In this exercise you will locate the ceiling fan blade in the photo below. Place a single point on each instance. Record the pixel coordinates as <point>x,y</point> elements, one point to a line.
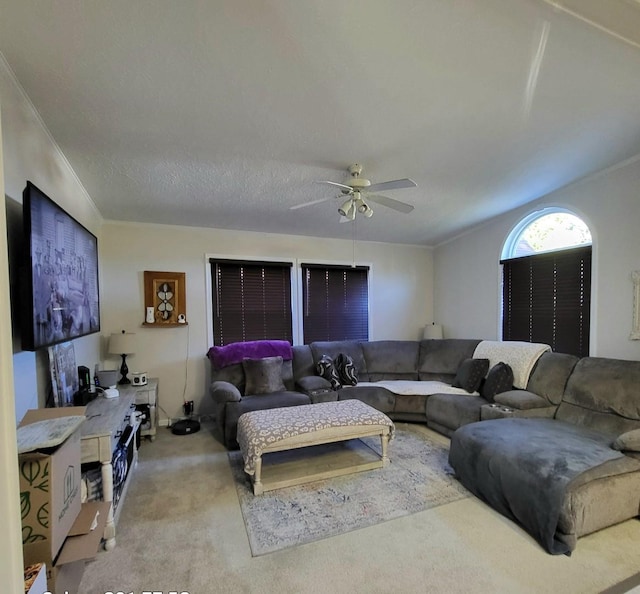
<point>390,203</point>
<point>310,203</point>
<point>396,184</point>
<point>342,186</point>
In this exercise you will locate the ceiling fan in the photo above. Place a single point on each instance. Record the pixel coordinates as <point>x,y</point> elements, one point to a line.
<point>359,191</point>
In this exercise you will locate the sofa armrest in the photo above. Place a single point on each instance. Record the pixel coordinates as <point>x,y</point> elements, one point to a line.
<point>312,385</point>
<point>222,391</point>
<point>521,400</point>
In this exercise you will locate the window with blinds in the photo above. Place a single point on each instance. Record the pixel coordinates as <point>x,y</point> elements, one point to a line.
<point>335,302</point>
<point>251,301</point>
<point>547,298</point>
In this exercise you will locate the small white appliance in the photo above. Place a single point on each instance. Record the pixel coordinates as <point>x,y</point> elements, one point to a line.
<point>139,378</point>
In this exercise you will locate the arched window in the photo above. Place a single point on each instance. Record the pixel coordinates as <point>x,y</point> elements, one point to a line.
<point>546,281</point>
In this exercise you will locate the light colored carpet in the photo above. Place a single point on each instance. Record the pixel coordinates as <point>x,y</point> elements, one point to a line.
<point>181,529</point>
<point>418,478</point>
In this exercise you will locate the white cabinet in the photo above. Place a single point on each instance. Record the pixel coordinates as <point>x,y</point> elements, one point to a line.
<point>146,399</point>
<point>108,437</point>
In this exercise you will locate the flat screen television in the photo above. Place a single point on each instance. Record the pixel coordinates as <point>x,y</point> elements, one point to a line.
<point>62,294</point>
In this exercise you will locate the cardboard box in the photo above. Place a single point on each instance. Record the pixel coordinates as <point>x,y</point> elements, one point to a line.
<point>49,489</point>
<point>80,546</point>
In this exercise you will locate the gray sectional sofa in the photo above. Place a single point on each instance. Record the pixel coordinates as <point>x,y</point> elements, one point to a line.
<point>378,365</point>
<point>559,454</point>
<point>567,476</point>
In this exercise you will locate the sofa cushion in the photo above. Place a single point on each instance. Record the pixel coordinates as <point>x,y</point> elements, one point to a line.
<point>346,369</point>
<point>313,385</point>
<point>520,400</point>
<point>303,364</point>
<point>453,410</point>
<point>391,359</point>
<point>326,368</point>
<point>550,374</point>
<point>470,374</point>
<point>499,379</point>
<point>628,441</point>
<point>263,376</point>
<point>415,404</point>
<point>378,398</point>
<point>602,394</point>
<point>440,359</point>
<point>234,374</point>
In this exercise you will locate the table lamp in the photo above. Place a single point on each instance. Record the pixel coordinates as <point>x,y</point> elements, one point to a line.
<point>122,344</point>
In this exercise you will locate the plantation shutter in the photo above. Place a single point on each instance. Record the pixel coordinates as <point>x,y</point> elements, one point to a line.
<point>251,301</point>
<point>547,298</point>
<point>335,303</point>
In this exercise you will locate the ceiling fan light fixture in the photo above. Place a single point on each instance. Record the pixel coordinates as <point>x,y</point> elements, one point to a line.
<point>351,213</point>
<point>358,186</point>
<point>346,207</point>
<point>363,207</point>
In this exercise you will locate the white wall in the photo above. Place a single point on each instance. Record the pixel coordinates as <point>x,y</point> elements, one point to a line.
<point>29,153</point>
<point>467,274</point>
<point>11,561</point>
<point>401,297</point>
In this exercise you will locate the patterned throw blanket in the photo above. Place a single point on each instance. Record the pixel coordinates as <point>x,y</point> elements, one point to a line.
<point>261,428</point>
<point>520,356</point>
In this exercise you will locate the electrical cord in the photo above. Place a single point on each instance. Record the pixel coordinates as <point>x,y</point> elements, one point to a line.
<point>165,413</point>
<point>187,405</point>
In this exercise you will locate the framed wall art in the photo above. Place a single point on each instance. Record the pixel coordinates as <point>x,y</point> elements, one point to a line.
<point>64,373</point>
<point>164,299</point>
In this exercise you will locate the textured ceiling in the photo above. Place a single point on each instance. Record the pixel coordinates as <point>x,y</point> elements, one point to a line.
<point>223,113</point>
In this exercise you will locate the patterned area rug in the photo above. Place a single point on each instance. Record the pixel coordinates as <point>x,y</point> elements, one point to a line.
<point>418,478</point>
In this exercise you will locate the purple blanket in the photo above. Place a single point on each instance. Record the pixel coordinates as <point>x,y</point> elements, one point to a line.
<point>223,356</point>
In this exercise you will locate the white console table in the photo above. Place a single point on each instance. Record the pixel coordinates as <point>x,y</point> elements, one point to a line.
<point>146,395</point>
<point>107,420</point>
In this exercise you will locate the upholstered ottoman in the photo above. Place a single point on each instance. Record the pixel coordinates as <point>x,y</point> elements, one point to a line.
<point>280,429</point>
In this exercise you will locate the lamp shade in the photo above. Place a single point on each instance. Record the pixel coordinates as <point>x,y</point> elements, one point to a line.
<point>122,344</point>
<point>432,332</point>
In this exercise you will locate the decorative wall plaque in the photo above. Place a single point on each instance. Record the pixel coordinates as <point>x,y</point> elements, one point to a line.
<point>165,293</point>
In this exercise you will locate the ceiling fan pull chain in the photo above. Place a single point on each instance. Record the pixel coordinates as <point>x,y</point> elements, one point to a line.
<point>353,248</point>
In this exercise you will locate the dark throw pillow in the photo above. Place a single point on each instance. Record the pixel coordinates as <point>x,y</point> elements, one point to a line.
<point>263,376</point>
<point>346,370</point>
<point>499,379</point>
<point>328,371</point>
<point>470,374</point>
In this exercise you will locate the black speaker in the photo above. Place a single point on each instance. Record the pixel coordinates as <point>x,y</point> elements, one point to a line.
<point>83,397</point>
<point>84,378</point>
